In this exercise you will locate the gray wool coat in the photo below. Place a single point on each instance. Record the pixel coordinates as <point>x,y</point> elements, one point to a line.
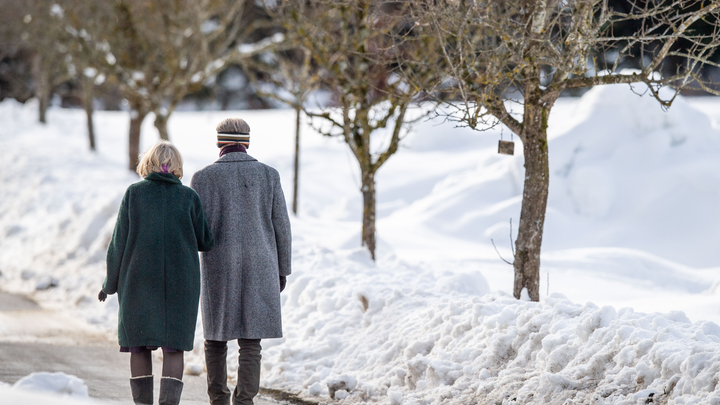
<point>245,208</point>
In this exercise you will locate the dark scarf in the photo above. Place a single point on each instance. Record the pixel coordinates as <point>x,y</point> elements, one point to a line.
<point>238,147</point>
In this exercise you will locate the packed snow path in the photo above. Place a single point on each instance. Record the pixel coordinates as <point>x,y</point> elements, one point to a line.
<point>33,339</point>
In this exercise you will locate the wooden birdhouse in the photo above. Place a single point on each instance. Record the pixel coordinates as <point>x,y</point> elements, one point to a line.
<point>506,147</point>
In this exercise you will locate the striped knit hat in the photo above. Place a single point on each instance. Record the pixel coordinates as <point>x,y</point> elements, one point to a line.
<point>232,131</point>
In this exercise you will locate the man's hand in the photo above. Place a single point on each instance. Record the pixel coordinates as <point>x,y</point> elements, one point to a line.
<point>102,296</point>
<point>283,282</point>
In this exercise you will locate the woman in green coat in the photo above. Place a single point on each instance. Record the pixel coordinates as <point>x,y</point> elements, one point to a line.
<point>153,265</point>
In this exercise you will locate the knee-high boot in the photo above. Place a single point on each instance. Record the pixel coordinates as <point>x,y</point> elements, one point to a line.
<point>248,383</point>
<point>216,364</point>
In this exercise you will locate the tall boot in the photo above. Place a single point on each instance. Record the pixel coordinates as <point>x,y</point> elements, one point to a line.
<point>216,364</point>
<point>170,391</point>
<point>142,389</point>
<point>248,383</point>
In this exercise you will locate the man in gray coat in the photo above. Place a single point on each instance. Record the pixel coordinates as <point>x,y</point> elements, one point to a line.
<point>242,277</point>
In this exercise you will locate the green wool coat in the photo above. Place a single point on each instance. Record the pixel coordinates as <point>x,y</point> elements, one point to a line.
<point>153,265</point>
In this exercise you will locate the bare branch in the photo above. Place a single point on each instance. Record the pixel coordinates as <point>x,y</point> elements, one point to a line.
<point>496,106</point>
<point>692,18</point>
<point>395,139</point>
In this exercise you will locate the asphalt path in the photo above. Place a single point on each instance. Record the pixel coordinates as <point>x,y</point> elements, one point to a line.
<point>33,339</point>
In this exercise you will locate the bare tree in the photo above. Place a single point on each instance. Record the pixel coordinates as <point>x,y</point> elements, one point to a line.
<point>355,45</point>
<point>40,26</point>
<point>15,56</point>
<point>158,51</point>
<point>531,51</point>
<point>289,78</point>
<point>80,19</point>
<point>87,85</point>
<point>60,52</point>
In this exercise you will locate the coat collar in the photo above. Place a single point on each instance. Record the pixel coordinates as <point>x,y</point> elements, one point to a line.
<point>166,177</point>
<point>235,157</point>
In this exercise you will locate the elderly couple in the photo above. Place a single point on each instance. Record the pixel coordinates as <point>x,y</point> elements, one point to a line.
<point>152,264</point>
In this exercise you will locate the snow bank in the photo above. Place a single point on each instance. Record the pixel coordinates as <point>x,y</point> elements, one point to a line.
<point>387,334</point>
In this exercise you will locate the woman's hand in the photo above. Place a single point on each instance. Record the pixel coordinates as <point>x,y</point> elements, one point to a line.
<point>102,296</point>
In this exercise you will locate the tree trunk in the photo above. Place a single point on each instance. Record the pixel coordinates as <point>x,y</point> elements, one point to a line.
<point>42,87</point>
<point>161,125</point>
<point>137,116</point>
<point>298,111</point>
<point>368,225</point>
<point>87,89</point>
<point>44,99</point>
<point>534,202</point>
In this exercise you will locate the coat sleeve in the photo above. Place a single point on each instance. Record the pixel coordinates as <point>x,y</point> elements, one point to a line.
<point>203,234</point>
<point>281,224</point>
<point>116,249</point>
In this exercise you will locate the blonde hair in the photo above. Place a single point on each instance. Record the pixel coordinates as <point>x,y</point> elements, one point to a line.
<point>161,154</point>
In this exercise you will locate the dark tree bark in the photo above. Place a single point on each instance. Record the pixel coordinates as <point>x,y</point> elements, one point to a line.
<point>298,112</point>
<point>137,116</point>
<point>535,194</point>
<point>87,89</point>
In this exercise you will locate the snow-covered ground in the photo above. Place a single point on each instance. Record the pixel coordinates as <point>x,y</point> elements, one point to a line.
<point>630,278</point>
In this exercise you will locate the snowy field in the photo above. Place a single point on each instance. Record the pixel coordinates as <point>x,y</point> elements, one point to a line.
<point>630,277</point>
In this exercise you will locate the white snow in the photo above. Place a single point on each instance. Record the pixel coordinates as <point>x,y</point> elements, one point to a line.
<point>630,277</point>
<point>59,383</point>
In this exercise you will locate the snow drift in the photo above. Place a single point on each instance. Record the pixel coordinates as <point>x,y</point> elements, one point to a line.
<point>414,344</point>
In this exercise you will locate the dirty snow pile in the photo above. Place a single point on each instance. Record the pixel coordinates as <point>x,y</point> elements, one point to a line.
<point>632,226</point>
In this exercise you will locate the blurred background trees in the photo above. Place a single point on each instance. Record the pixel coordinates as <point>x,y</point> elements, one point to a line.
<point>372,58</point>
<point>15,53</point>
<point>33,41</point>
<point>230,87</point>
<point>150,54</point>
<point>160,51</point>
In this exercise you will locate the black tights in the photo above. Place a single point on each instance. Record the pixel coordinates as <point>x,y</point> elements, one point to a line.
<point>141,364</point>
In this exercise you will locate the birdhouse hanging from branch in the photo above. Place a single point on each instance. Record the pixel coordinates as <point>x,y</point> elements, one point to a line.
<point>506,147</point>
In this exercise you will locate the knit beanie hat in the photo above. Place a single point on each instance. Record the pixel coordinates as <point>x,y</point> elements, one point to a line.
<point>233,131</point>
